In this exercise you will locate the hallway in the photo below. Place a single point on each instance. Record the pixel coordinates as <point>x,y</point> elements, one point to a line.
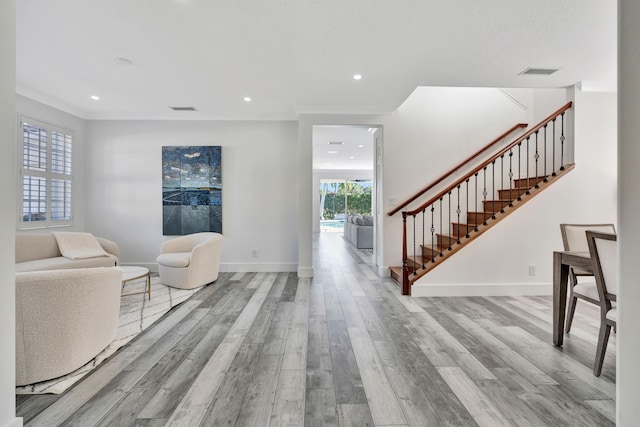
<point>344,348</point>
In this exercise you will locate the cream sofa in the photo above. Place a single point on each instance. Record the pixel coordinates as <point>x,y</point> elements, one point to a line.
<point>64,318</point>
<point>39,251</point>
<point>190,261</point>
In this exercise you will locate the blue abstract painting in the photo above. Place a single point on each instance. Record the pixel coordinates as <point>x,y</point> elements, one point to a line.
<point>191,190</point>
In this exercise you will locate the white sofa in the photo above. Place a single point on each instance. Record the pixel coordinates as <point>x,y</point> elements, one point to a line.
<point>64,318</point>
<point>40,251</point>
<point>190,261</point>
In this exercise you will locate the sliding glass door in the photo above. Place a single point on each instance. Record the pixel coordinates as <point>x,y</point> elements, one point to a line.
<point>342,197</point>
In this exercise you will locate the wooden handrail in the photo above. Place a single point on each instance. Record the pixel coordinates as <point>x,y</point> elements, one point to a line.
<point>494,157</point>
<point>455,168</point>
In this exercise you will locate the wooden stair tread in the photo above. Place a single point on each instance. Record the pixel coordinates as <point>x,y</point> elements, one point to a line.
<point>512,193</point>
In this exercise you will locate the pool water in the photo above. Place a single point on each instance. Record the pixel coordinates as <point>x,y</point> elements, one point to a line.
<point>332,225</point>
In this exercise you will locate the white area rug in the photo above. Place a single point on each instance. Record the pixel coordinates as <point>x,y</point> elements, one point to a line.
<point>136,314</point>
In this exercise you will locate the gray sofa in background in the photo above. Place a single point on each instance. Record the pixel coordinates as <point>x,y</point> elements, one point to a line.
<point>358,230</point>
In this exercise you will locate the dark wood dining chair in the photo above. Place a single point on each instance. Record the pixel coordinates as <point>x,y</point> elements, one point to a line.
<point>604,255</point>
<point>574,239</point>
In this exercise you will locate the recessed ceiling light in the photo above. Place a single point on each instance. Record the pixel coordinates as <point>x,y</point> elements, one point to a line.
<point>247,99</point>
<point>352,157</point>
<point>335,142</point>
<point>360,146</point>
<point>123,61</point>
<point>95,97</point>
<point>357,76</point>
<point>332,152</point>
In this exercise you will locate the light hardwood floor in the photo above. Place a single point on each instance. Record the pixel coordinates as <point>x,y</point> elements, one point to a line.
<point>343,349</point>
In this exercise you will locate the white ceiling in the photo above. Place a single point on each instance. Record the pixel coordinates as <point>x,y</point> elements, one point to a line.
<point>298,56</point>
<point>355,152</point>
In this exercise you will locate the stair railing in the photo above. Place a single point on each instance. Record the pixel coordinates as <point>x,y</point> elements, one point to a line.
<point>456,168</point>
<point>526,171</point>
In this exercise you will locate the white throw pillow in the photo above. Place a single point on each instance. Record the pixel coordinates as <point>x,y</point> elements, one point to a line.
<point>75,245</point>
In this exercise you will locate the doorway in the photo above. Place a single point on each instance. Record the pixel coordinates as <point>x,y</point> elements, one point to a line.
<point>344,179</point>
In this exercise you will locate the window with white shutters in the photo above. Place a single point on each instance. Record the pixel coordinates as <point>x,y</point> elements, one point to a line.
<point>45,175</point>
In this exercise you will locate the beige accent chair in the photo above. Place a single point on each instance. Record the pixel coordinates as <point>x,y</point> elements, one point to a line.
<point>64,318</point>
<point>574,239</point>
<point>604,255</point>
<point>190,261</point>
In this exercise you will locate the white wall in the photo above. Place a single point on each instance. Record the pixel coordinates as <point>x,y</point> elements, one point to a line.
<point>529,236</point>
<point>43,113</point>
<point>259,177</point>
<point>628,339</point>
<point>8,213</point>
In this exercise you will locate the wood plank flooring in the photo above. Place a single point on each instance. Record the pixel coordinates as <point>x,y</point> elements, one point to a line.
<point>343,349</point>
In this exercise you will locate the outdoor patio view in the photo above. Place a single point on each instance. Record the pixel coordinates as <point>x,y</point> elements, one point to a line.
<point>339,198</point>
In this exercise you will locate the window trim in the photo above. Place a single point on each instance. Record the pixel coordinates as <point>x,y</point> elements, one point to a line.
<point>49,175</point>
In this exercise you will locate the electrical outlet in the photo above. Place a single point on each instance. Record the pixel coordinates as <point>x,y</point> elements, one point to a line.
<point>254,254</point>
<point>532,270</point>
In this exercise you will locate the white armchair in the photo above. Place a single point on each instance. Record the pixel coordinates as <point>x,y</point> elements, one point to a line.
<point>190,261</point>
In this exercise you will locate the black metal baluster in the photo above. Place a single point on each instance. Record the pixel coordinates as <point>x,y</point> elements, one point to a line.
<point>476,221</point>
<point>441,230</point>
<point>467,206</point>
<point>527,191</point>
<point>422,247</point>
<point>484,194</point>
<point>501,183</point>
<point>450,236</point>
<point>545,155</point>
<point>433,236</point>
<point>562,143</point>
<point>553,146</point>
<point>493,190</point>
<point>458,212</point>
<point>510,177</point>
<point>415,270</point>
<point>519,171</point>
<point>536,157</point>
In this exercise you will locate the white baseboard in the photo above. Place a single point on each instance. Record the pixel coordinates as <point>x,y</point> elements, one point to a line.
<point>234,267</point>
<point>258,267</point>
<point>305,271</point>
<point>480,290</point>
<point>384,271</point>
<point>16,422</point>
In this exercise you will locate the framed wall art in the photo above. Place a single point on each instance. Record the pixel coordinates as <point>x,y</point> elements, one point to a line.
<point>191,189</point>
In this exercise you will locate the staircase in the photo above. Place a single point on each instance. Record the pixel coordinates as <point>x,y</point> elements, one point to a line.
<point>471,205</point>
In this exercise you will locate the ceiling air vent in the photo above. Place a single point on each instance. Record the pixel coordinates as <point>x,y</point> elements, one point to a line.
<point>335,142</point>
<point>183,108</point>
<point>539,71</point>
